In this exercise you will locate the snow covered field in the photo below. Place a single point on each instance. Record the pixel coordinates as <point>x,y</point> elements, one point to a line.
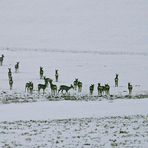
<point>90,68</point>
<point>128,131</point>
<point>53,122</point>
<point>88,40</point>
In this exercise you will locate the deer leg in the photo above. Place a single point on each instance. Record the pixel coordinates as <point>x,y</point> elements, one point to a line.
<point>10,87</point>
<point>56,78</point>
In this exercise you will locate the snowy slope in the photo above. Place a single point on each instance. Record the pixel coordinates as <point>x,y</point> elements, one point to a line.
<point>119,25</point>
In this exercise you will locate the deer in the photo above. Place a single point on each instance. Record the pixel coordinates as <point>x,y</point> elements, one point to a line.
<point>107,89</point>
<point>29,87</point>
<point>91,89</point>
<point>75,83</point>
<point>79,86</point>
<point>16,67</point>
<point>10,83</point>
<point>65,88</point>
<point>53,87</point>
<point>1,59</point>
<point>103,89</point>
<point>42,86</point>
<point>130,87</point>
<point>116,80</point>
<point>47,80</point>
<point>9,73</point>
<point>41,72</point>
<point>56,75</point>
<point>100,89</point>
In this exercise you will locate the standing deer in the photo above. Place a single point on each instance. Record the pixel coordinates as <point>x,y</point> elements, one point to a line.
<point>91,89</point>
<point>10,83</point>
<point>100,89</point>
<point>41,72</point>
<point>75,83</point>
<point>56,75</point>
<point>1,59</point>
<point>17,67</point>
<point>79,86</point>
<point>130,87</point>
<point>42,86</point>
<point>29,87</point>
<point>53,88</point>
<point>116,80</point>
<point>65,88</point>
<point>107,89</point>
<point>9,73</point>
<point>47,80</point>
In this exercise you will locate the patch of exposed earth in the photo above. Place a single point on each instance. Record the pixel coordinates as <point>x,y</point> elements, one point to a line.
<point>7,97</point>
<point>128,131</point>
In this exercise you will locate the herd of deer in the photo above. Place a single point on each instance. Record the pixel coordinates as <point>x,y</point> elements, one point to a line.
<point>9,71</point>
<point>77,85</point>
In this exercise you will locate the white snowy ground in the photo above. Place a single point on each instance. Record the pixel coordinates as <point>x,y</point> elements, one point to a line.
<point>70,124</point>
<point>90,68</point>
<point>128,131</point>
<point>89,40</point>
<point>72,109</point>
<point>100,123</point>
